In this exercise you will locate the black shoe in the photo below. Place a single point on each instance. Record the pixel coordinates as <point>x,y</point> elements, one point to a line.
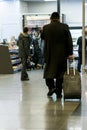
<point>51,91</point>
<point>24,79</point>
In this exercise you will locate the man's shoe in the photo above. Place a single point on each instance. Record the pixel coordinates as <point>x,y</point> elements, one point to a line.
<point>51,91</point>
<point>24,79</point>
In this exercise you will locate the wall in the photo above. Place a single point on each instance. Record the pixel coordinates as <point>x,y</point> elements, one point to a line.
<point>42,7</point>
<point>9,19</point>
<point>73,11</point>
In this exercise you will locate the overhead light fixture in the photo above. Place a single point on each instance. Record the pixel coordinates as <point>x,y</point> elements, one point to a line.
<point>49,0</point>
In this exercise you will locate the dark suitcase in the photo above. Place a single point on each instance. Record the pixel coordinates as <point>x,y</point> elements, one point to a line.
<point>71,83</point>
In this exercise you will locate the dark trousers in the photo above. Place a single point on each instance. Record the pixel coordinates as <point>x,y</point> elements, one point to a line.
<point>79,62</point>
<point>24,68</point>
<point>55,83</point>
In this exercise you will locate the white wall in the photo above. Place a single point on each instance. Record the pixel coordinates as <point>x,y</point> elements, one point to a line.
<point>9,19</point>
<point>73,11</point>
<point>42,7</point>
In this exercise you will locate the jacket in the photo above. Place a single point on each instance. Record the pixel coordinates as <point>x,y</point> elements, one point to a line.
<point>24,45</point>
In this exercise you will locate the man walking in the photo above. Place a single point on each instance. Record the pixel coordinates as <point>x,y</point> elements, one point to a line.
<point>57,47</point>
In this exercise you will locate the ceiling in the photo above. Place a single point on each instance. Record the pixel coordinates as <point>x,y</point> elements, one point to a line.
<point>51,0</point>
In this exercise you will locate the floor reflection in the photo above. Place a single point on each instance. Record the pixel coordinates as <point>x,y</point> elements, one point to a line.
<point>62,115</point>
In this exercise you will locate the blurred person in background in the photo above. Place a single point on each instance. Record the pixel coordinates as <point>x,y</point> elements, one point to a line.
<point>24,41</point>
<point>79,43</point>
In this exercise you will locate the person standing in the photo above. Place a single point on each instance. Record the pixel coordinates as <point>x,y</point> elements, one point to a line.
<point>24,52</point>
<point>79,43</point>
<point>57,47</point>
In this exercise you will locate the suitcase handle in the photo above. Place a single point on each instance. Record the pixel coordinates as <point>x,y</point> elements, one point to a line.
<point>68,70</point>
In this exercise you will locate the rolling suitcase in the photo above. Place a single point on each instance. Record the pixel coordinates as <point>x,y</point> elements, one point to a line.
<point>71,83</point>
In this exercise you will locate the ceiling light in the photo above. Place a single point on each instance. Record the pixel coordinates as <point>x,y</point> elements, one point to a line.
<point>49,0</point>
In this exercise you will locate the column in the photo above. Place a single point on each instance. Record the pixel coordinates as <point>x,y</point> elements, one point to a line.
<point>58,6</point>
<point>83,36</point>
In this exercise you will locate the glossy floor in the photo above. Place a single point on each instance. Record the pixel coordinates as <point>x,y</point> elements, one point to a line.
<point>24,105</point>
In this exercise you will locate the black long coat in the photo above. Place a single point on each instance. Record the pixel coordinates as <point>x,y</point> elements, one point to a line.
<point>58,46</point>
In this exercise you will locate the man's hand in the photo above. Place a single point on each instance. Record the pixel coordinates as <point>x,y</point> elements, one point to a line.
<point>71,57</point>
<point>28,59</point>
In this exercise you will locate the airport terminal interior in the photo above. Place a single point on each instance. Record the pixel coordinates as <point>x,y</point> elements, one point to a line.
<point>24,105</point>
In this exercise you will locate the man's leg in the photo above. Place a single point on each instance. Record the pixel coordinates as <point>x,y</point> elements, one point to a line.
<point>59,82</point>
<point>24,75</point>
<point>50,85</point>
<point>79,62</point>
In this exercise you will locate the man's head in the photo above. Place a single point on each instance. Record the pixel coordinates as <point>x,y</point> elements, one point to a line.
<point>55,16</point>
<point>25,30</point>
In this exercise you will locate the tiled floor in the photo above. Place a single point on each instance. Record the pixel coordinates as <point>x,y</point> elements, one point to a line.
<point>25,105</point>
